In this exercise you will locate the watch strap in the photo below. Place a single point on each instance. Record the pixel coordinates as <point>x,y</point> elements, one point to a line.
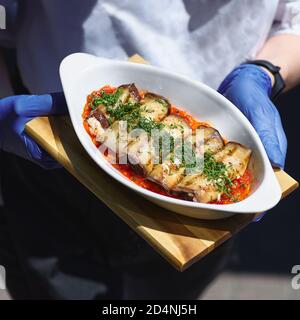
<point>279,83</point>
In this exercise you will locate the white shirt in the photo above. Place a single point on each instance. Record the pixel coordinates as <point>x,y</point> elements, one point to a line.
<point>203,39</point>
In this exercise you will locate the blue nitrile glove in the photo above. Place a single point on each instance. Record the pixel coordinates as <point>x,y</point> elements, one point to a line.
<point>249,88</point>
<point>15,112</point>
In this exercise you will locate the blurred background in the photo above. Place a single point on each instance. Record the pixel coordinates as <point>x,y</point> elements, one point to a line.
<point>264,253</point>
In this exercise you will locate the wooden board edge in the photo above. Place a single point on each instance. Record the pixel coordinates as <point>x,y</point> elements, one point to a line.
<point>136,58</point>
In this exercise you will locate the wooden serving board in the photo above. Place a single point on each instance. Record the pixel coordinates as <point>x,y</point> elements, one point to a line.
<point>181,240</point>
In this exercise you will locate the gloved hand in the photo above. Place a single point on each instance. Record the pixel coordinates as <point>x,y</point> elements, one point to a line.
<point>15,112</point>
<point>249,88</point>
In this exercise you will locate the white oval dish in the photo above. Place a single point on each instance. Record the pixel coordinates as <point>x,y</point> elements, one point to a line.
<point>83,73</point>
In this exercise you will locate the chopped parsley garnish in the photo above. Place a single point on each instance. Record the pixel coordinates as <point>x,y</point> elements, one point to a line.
<point>217,172</point>
<point>185,154</point>
<point>148,124</point>
<point>132,118</point>
<point>107,99</point>
<point>130,112</point>
<point>122,111</point>
<point>166,146</point>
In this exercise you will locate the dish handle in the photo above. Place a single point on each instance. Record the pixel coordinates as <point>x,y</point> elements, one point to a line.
<point>73,65</point>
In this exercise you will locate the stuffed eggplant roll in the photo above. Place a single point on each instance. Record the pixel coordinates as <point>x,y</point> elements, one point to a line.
<point>154,107</point>
<point>109,107</point>
<point>220,170</point>
<point>170,171</point>
<point>235,157</point>
<point>212,139</point>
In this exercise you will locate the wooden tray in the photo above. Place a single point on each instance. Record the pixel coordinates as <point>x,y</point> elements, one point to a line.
<point>180,240</point>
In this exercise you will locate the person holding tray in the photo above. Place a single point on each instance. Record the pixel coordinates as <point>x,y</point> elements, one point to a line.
<point>64,243</point>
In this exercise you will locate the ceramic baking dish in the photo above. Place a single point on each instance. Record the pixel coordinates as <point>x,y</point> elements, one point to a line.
<point>82,73</point>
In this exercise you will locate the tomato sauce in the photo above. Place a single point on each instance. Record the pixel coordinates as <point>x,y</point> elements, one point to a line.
<point>141,181</point>
<point>239,191</point>
<point>240,188</point>
<point>191,121</point>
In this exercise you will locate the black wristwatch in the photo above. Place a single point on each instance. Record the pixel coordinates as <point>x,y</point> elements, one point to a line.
<point>279,83</point>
